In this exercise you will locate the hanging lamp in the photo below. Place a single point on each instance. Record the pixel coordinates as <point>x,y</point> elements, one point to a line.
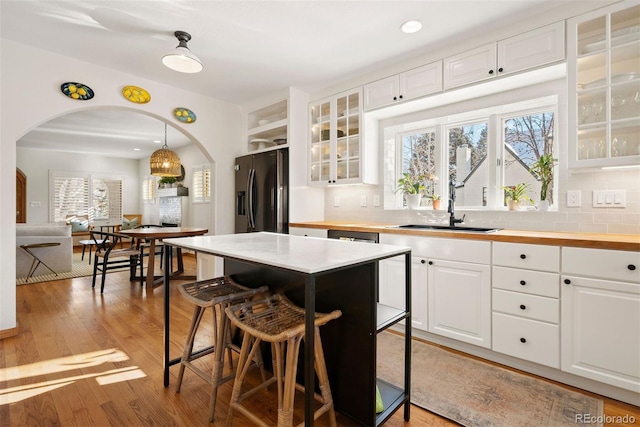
<point>165,162</point>
<point>181,58</point>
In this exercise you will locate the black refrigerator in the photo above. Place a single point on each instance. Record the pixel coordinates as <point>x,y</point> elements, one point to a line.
<point>262,192</point>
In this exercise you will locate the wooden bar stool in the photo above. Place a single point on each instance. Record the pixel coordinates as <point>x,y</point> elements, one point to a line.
<point>216,294</point>
<point>278,321</point>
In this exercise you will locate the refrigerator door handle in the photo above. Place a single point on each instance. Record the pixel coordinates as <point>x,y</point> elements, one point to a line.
<point>250,198</point>
<point>279,190</point>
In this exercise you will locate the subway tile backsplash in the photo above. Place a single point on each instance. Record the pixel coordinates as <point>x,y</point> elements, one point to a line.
<point>584,218</point>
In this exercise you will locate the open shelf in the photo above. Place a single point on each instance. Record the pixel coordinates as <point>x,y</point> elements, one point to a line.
<point>392,397</point>
<point>388,316</point>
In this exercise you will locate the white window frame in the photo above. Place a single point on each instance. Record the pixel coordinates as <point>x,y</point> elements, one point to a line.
<point>494,117</point>
<point>149,185</point>
<point>200,181</point>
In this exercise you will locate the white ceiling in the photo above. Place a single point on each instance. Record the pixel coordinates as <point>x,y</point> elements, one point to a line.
<point>249,49</point>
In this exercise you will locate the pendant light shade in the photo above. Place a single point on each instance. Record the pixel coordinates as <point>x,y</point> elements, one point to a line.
<point>165,162</point>
<point>181,59</point>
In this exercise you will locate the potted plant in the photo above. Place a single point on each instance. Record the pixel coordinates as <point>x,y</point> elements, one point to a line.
<point>435,201</point>
<point>167,181</point>
<point>411,189</point>
<point>543,169</point>
<point>515,194</point>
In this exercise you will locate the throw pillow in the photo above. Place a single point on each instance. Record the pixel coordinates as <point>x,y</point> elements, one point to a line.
<point>77,226</point>
<point>128,224</point>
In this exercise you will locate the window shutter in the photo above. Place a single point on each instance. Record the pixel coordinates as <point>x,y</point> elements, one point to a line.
<point>69,195</point>
<point>201,184</point>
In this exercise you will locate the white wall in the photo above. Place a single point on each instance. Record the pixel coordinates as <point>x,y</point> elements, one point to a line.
<point>30,95</point>
<point>36,165</point>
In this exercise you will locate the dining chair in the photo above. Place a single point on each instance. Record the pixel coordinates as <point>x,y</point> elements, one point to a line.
<point>144,244</point>
<point>107,257</point>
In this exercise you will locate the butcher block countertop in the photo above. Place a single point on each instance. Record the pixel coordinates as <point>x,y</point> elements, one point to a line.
<point>624,242</point>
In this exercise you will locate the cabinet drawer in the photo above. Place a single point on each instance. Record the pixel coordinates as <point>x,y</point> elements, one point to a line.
<point>527,281</point>
<point>527,339</point>
<point>473,251</point>
<point>602,263</point>
<point>529,306</point>
<point>533,257</point>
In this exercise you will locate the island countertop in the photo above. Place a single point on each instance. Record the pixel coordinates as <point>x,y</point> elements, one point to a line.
<point>626,242</point>
<point>302,254</point>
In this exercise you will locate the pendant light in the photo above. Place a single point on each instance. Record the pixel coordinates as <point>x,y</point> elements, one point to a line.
<point>165,162</point>
<point>181,59</point>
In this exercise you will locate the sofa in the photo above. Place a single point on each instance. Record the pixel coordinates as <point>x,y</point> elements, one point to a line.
<point>59,258</point>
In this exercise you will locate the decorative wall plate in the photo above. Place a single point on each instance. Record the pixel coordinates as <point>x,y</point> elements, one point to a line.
<point>184,115</point>
<point>77,91</point>
<point>136,94</point>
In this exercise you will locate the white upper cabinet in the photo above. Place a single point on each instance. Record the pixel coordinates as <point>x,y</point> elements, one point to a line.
<point>531,49</point>
<point>471,66</point>
<point>411,84</point>
<point>524,51</point>
<point>604,87</point>
<point>336,148</point>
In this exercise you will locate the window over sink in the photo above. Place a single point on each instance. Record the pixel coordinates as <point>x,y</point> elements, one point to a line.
<point>481,150</point>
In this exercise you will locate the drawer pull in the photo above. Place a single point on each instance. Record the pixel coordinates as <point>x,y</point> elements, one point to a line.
<point>430,262</point>
<point>522,256</point>
<point>522,282</point>
<point>567,281</point>
<point>523,307</point>
<point>523,340</point>
<point>422,261</point>
<point>631,267</point>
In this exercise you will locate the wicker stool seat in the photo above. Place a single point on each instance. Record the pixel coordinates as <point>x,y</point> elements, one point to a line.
<point>278,321</point>
<point>217,294</point>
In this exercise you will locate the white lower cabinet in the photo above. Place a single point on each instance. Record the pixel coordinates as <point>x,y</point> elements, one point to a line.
<point>601,317</point>
<point>391,288</point>
<point>460,301</point>
<point>309,232</point>
<point>526,308</point>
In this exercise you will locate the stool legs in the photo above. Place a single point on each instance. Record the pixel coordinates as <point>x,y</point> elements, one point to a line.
<point>284,376</point>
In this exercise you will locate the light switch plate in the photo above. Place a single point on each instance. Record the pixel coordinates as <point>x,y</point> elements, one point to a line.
<point>609,198</point>
<point>363,201</point>
<point>336,201</point>
<point>376,200</point>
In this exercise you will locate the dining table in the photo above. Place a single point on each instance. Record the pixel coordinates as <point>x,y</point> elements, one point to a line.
<point>156,234</point>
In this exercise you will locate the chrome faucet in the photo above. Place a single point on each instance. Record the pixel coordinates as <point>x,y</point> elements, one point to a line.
<point>452,198</point>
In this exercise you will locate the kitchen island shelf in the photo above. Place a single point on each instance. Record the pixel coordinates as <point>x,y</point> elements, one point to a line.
<point>388,316</point>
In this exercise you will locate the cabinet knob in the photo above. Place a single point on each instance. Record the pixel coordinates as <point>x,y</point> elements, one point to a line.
<point>522,282</point>
<point>522,256</point>
<point>523,307</point>
<point>422,261</point>
<point>523,340</point>
<point>395,98</point>
<point>500,70</point>
<point>567,281</point>
<point>631,267</point>
<point>430,262</point>
<point>400,96</point>
<point>490,71</point>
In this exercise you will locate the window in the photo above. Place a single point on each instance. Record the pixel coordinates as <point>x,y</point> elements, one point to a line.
<point>526,138</point>
<point>201,184</point>
<point>481,151</point>
<point>149,190</point>
<point>85,196</point>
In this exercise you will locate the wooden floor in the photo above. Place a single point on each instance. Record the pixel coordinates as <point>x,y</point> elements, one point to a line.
<point>85,359</point>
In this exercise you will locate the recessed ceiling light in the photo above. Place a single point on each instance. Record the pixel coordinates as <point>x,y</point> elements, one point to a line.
<point>157,141</point>
<point>412,26</point>
<point>136,149</point>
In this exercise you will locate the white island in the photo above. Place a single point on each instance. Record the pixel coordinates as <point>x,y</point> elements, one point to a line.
<point>322,275</point>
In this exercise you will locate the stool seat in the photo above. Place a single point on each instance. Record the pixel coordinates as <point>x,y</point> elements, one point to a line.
<point>217,294</point>
<point>280,322</point>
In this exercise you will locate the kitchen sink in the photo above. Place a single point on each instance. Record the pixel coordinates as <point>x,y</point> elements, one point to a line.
<point>449,228</point>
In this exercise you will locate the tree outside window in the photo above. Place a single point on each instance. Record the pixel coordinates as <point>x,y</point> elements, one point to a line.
<point>526,139</point>
<point>467,151</point>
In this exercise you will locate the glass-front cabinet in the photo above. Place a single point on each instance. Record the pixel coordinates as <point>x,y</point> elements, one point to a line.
<point>335,139</point>
<point>604,87</point>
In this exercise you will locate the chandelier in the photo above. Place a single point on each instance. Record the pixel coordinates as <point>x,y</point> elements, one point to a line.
<point>165,162</point>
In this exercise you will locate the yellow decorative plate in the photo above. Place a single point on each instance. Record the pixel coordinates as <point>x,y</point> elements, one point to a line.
<point>77,91</point>
<point>136,94</point>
